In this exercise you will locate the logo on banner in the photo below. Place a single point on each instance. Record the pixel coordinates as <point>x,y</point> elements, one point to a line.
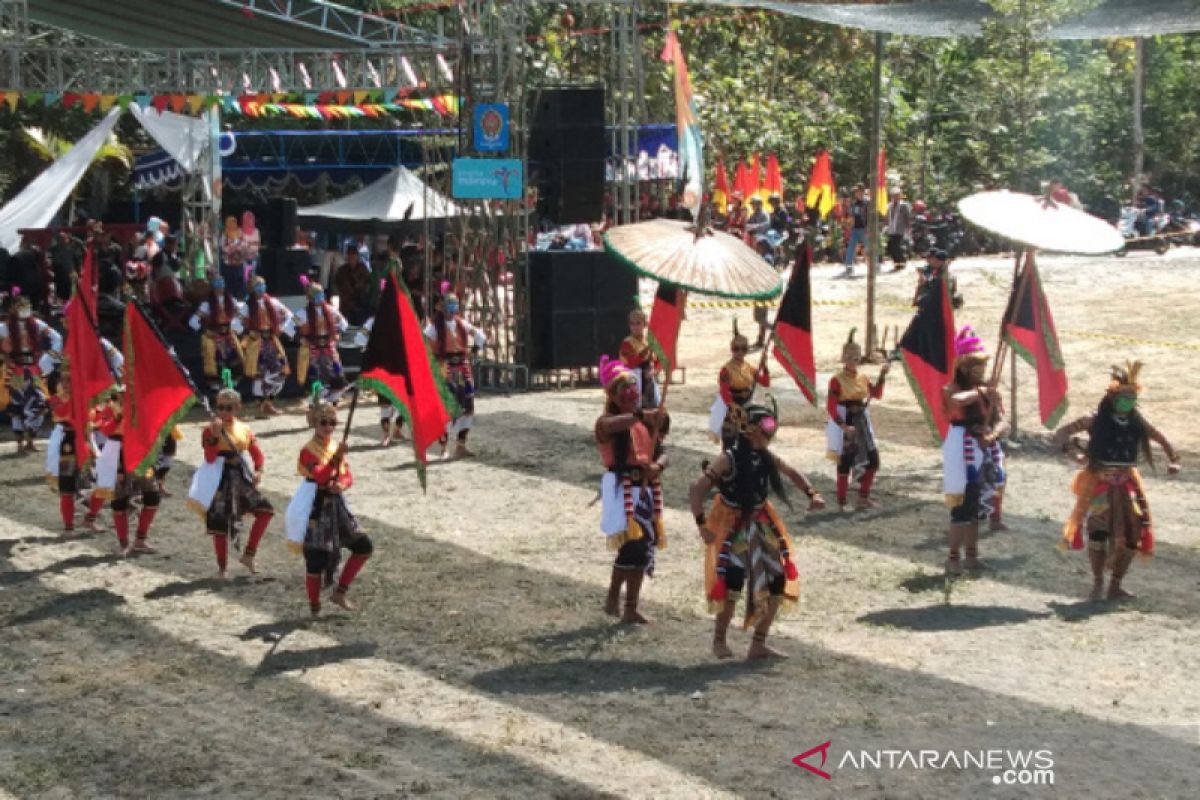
<point>491,127</point>
<point>488,179</point>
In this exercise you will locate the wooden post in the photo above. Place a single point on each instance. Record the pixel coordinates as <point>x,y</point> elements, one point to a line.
<point>1139,135</point>
<point>876,179</point>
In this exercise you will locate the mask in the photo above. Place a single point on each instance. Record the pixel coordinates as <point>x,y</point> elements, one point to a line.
<point>319,297</point>
<point>451,308</point>
<point>1124,404</point>
<point>768,425</point>
<point>218,285</point>
<point>25,313</point>
<point>260,289</point>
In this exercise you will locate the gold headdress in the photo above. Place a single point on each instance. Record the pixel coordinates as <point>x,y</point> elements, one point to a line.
<point>1126,377</point>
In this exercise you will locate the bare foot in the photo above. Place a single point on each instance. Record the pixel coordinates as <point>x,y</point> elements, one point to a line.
<point>123,550</point>
<point>974,565</point>
<point>93,525</point>
<point>223,574</point>
<point>164,491</point>
<point>997,525</point>
<point>1115,592</point>
<point>462,451</point>
<point>387,440</point>
<point>314,610</point>
<point>1097,591</point>
<point>634,617</point>
<point>762,650</point>
<point>721,650</point>
<point>338,598</point>
<point>612,606</point>
<point>865,503</point>
<point>954,566</point>
<point>143,546</point>
<point>247,561</point>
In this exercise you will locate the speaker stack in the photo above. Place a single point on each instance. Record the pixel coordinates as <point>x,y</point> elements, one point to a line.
<point>278,225</point>
<point>579,305</point>
<point>566,153</point>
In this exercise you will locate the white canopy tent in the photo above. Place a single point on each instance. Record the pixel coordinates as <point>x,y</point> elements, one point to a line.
<point>396,198</point>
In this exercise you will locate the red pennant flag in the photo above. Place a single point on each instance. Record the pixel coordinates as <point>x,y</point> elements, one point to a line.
<point>822,194</point>
<point>927,348</point>
<point>666,315</point>
<point>742,182</point>
<point>774,181</point>
<point>398,365</point>
<point>157,393</point>
<point>70,98</point>
<point>160,102</point>
<point>793,328</point>
<point>1029,331</point>
<point>756,178</point>
<point>90,377</point>
<point>720,195</point>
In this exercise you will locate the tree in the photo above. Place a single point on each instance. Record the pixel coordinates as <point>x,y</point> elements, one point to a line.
<point>112,159</point>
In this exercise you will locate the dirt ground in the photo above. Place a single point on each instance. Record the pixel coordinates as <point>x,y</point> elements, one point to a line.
<point>480,664</point>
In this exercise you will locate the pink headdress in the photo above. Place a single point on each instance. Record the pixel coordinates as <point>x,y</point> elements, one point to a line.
<point>968,345</point>
<point>612,370</point>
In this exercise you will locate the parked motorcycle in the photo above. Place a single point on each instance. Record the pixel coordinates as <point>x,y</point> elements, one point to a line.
<point>1134,224</point>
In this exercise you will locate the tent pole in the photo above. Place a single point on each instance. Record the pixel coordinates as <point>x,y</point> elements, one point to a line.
<point>876,181</point>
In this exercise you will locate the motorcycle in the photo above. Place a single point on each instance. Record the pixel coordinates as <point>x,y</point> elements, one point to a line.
<point>1133,224</point>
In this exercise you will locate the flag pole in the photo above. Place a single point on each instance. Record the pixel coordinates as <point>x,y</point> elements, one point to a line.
<point>1020,286</point>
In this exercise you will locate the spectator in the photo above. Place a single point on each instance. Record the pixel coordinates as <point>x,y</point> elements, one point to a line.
<point>899,229</point>
<point>168,257</point>
<point>758,222</point>
<point>352,283</point>
<point>858,229</point>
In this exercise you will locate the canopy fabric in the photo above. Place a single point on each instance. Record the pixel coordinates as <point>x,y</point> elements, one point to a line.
<point>951,18</point>
<point>184,137</point>
<point>38,202</point>
<point>399,196</point>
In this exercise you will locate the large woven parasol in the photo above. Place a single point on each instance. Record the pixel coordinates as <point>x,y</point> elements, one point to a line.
<point>711,262</point>
<point>1040,223</point>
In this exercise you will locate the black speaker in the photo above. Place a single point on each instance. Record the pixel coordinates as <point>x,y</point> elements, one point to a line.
<point>279,223</point>
<point>567,150</point>
<point>281,269</point>
<point>579,307</point>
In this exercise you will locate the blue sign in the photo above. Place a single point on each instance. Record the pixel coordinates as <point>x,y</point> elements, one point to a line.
<point>488,179</point>
<point>491,127</point>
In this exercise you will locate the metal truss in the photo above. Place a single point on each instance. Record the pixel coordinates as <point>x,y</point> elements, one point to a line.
<point>366,29</point>
<point>116,70</point>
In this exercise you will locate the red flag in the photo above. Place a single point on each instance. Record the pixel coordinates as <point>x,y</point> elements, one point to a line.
<point>1029,331</point>
<point>398,364</point>
<point>742,182</point>
<point>793,328</point>
<point>822,194</point>
<point>774,180</point>
<point>157,392</point>
<point>721,188</point>
<point>756,178</point>
<point>927,348</point>
<point>90,376</point>
<point>666,315</point>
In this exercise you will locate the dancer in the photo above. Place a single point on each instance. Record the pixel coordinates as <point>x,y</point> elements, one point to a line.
<point>747,544</point>
<point>849,435</point>
<point>62,465</point>
<point>266,362</point>
<point>225,487</point>
<point>24,339</point>
<point>973,461</point>
<point>640,359</point>
<point>450,335</point>
<point>735,385</point>
<point>318,518</point>
<point>1110,496</point>
<point>219,319</point>
<point>390,420</point>
<point>631,489</point>
<point>320,325</point>
<point>117,486</point>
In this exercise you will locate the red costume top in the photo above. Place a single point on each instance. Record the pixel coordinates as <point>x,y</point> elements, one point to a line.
<point>636,351</point>
<point>60,409</point>
<point>239,435</point>
<point>737,379</point>
<point>316,464</point>
<point>844,388</point>
<point>108,421</point>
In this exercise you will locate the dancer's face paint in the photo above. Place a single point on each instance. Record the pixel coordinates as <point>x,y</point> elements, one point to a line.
<point>1124,403</point>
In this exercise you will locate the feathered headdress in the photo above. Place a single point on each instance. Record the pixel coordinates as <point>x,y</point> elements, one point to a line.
<point>1126,377</point>
<point>969,346</point>
<point>851,350</point>
<point>612,370</point>
<point>738,338</point>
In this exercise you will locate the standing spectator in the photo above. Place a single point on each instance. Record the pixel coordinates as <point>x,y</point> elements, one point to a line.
<point>758,222</point>
<point>66,257</point>
<point>858,231</point>
<point>168,257</point>
<point>233,258</point>
<point>352,282</point>
<point>899,229</point>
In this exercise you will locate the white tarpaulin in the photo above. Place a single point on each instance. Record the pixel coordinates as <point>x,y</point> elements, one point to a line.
<point>396,197</point>
<point>38,202</point>
<point>182,136</point>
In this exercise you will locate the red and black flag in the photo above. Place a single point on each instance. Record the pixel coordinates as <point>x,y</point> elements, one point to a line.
<point>91,378</point>
<point>1029,331</point>
<point>158,393</point>
<point>927,349</point>
<point>398,365</point>
<point>793,328</point>
<point>666,315</point>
